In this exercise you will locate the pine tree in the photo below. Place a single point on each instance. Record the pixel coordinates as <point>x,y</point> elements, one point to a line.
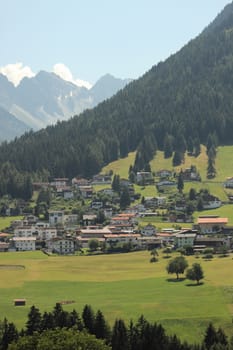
<point>34,321</point>
<point>88,317</point>
<point>120,339</point>
<point>102,329</point>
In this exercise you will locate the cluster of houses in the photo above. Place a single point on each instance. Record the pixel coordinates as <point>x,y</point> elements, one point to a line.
<point>66,234</point>
<point>55,236</point>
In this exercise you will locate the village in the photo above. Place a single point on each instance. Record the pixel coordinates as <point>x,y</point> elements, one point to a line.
<point>111,218</point>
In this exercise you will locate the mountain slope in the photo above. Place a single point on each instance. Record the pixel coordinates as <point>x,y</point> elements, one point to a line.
<point>188,95</point>
<point>46,98</point>
<point>10,126</point>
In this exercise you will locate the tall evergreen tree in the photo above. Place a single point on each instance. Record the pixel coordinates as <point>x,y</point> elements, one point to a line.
<point>34,321</point>
<point>88,317</point>
<point>120,339</point>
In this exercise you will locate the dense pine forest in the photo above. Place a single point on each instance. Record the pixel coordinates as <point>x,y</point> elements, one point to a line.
<point>174,107</point>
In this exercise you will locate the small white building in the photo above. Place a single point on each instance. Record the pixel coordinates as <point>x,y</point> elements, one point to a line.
<point>24,243</point>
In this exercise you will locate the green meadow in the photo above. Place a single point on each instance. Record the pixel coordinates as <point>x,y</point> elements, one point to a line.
<point>122,286</point>
<point>224,167</point>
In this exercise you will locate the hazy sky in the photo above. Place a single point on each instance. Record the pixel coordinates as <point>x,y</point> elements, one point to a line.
<point>95,37</point>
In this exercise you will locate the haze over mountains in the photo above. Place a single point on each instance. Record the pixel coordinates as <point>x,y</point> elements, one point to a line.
<point>46,98</point>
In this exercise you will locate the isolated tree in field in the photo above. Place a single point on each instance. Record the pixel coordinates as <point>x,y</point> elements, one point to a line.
<point>195,273</point>
<point>167,251</point>
<point>177,266</point>
<point>154,254</point>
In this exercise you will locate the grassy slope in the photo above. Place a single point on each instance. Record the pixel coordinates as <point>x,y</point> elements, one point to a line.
<point>121,285</point>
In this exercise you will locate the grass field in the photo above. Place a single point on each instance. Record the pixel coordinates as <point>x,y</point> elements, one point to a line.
<point>224,166</point>
<point>121,285</point>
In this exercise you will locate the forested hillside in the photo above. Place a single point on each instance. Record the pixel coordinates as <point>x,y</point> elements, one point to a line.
<point>182,100</point>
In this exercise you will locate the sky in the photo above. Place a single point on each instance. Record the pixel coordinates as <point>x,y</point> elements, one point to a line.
<point>82,40</point>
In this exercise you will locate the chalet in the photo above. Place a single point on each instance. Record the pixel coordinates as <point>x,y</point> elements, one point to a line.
<point>24,231</point>
<point>45,233</point>
<point>24,243</point>
<point>61,245</point>
<point>77,182</point>
<point>148,230</point>
<point>184,239</point>
<point>56,217</point>
<point>191,174</point>
<point>86,191</point>
<point>144,178</point>
<point>101,179</point>
<point>59,182</point>
<point>211,224</point>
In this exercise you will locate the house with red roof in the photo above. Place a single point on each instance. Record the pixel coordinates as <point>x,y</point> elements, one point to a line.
<point>211,224</point>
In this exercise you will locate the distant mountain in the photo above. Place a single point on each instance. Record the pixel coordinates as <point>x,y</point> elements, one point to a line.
<point>10,126</point>
<point>46,98</point>
<point>183,101</point>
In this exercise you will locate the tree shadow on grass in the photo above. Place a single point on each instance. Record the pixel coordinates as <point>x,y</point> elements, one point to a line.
<point>194,284</point>
<point>180,279</point>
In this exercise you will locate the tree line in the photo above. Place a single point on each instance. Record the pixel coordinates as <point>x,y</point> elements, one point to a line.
<point>60,329</point>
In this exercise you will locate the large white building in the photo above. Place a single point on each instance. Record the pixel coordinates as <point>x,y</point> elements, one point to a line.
<point>24,243</point>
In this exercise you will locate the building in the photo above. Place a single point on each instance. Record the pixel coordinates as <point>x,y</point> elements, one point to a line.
<point>61,245</point>
<point>148,230</point>
<point>184,239</point>
<point>211,224</point>
<point>56,217</point>
<point>24,243</point>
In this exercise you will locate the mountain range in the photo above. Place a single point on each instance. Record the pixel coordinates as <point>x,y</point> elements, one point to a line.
<point>46,98</point>
<point>183,100</point>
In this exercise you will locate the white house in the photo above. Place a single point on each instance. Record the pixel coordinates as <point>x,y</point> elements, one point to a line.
<point>211,224</point>
<point>184,239</point>
<point>46,233</point>
<point>56,217</point>
<point>24,243</point>
<point>149,230</point>
<point>61,245</point>
<point>24,231</point>
<point>212,204</point>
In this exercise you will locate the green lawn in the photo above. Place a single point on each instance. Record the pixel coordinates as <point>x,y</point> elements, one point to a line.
<point>6,221</point>
<point>121,285</point>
